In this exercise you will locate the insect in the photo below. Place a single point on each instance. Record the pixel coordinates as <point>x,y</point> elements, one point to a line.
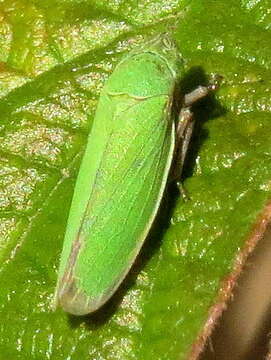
<point>123,175</point>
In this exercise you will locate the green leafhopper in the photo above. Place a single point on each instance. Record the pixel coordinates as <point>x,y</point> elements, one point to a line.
<point>123,175</point>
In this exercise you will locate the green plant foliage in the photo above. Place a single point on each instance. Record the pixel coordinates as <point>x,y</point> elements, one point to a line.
<point>54,58</point>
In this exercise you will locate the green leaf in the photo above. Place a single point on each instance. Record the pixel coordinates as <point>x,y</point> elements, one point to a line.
<point>54,58</point>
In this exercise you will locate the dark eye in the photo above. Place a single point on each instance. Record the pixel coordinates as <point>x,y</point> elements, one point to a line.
<point>161,68</point>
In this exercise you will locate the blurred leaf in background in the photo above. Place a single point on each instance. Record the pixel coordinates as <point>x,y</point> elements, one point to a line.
<point>54,59</point>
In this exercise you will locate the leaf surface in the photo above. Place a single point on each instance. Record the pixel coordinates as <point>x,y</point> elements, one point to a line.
<point>54,59</point>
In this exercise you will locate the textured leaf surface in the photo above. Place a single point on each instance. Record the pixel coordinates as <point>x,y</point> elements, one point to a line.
<point>54,59</point>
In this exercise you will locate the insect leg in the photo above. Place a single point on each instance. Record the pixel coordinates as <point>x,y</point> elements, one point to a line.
<point>184,128</point>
